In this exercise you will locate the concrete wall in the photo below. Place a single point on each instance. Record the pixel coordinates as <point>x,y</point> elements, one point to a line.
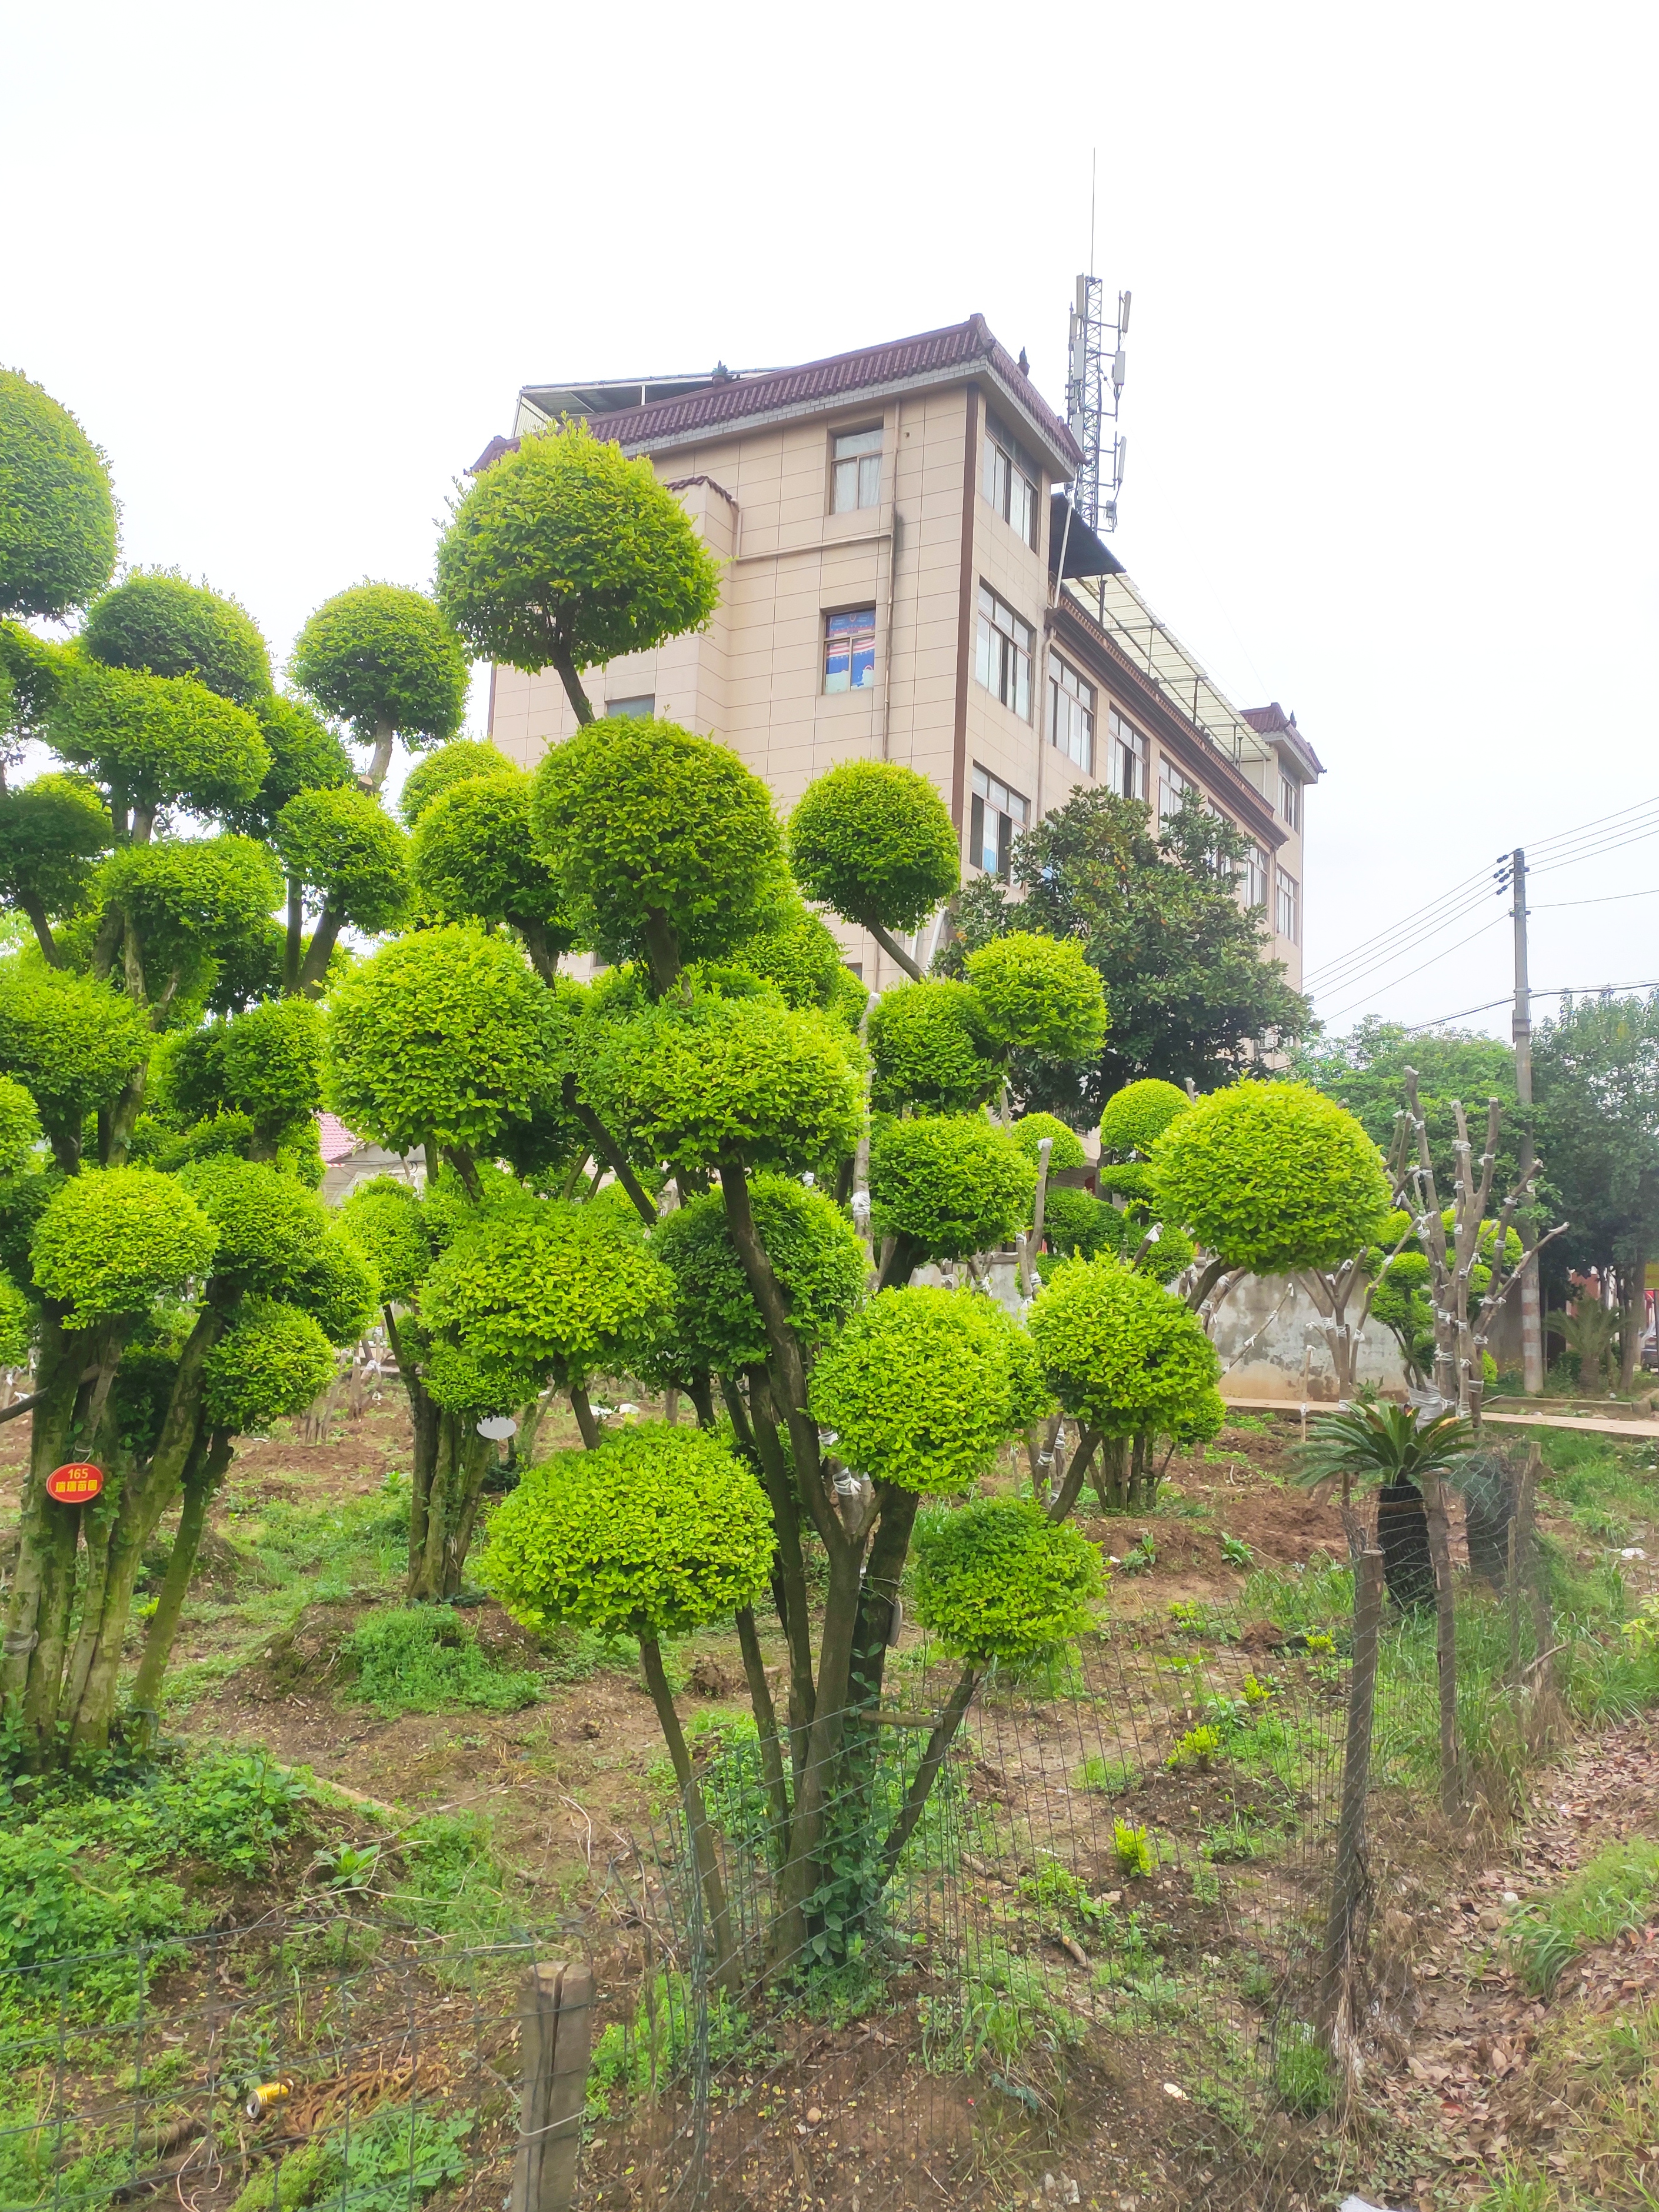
<point>1270,1326</point>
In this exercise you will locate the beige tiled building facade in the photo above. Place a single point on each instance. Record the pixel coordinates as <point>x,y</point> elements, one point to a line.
<point>906,579</point>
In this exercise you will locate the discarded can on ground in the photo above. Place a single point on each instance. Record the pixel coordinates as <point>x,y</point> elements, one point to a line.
<point>268,2093</point>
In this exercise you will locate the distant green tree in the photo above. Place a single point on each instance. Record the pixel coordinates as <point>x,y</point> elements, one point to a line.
<point>1192,989</point>
<point>1365,1071</point>
<point>383,660</point>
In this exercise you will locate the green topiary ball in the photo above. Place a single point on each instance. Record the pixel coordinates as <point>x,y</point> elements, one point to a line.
<point>1065,1146</point>
<point>70,1043</point>
<point>1118,1351</point>
<point>1074,1224</point>
<point>1170,1253</point>
<point>458,761</point>
<point>158,620</point>
<point>343,845</point>
<point>386,1221</point>
<point>922,1386</point>
<point>640,818</point>
<point>340,1289</point>
<point>380,656</point>
<point>815,1252</point>
<point>796,952</point>
<point>659,1532</point>
<point>444,1035</point>
<point>565,553</point>
<point>306,755</point>
<point>20,1126</point>
<point>1271,1176</point>
<point>874,840</point>
<point>271,1228</point>
<point>559,1287</point>
<point>114,1240</point>
<point>58,542</point>
<point>272,1362</point>
<point>929,1049</point>
<point>192,899</point>
<point>1136,1117</point>
<point>161,740</point>
<point>729,1076</point>
<point>1040,995</point>
<point>17,1319</point>
<point>265,1064</point>
<point>473,858</point>
<point>997,1580</point>
<point>952,1183</point>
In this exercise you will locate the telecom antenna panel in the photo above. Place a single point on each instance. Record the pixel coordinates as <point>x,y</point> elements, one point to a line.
<point>1096,368</point>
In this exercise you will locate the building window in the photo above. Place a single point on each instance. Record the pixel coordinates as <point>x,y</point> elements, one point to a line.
<point>1010,481</point>
<point>1127,773</point>
<point>998,817</point>
<point>1285,917</point>
<point>640,709</point>
<point>1072,713</point>
<point>855,471</point>
<point>1004,654</point>
<point>849,650</point>
<point>1253,877</point>
<point>1172,788</point>
<point>1289,800</point>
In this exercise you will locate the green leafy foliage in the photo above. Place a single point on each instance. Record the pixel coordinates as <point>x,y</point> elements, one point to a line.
<point>560,1288</point>
<point>997,1580</point>
<point>155,740</point>
<point>20,1126</point>
<point>874,840</point>
<point>565,552</point>
<point>191,900</point>
<point>1040,994</point>
<point>427,1659</point>
<point>1133,1119</point>
<point>269,1229</point>
<point>658,1531</point>
<point>306,755</point>
<point>460,761</point>
<point>265,1064</point>
<point>815,1254</point>
<point>113,1240</point>
<point>444,1035</point>
<point>271,1363</point>
<point>1120,1352</point>
<point>1383,1443</point>
<point>1365,1071</point>
<point>389,2161</point>
<point>158,622</point>
<point>1065,1146</point>
<point>930,1048</point>
<point>51,831</point>
<point>922,1386</point>
<point>1076,1225</point>
<point>952,1183</point>
<point>473,858</point>
<point>58,540</point>
<point>779,1089</point>
<point>342,845</point>
<point>638,818</point>
<point>794,950</point>
<point>386,1221</point>
<point>379,654</point>
<point>1271,1176</point>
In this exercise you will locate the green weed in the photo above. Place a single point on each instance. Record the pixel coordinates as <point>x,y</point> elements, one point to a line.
<point>1302,2073</point>
<point>1519,2189</point>
<point>1001,2009</point>
<point>1614,1892</point>
<point>1196,1749</point>
<point>427,1659</point>
<point>1109,1776</point>
<point>634,2058</point>
<point>394,2159</point>
<point>1237,1552</point>
<point>1135,1849</point>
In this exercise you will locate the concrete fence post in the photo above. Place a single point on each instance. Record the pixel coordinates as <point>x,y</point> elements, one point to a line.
<point>555,2018</point>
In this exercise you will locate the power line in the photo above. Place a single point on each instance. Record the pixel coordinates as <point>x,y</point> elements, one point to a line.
<point>1430,963</point>
<point>1608,898</point>
<point>1562,991</point>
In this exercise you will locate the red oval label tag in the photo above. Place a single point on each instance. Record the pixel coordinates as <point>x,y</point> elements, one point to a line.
<point>77,1484</point>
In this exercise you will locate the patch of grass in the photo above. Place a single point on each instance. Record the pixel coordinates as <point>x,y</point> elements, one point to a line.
<point>1109,1777</point>
<point>1001,2009</point>
<point>1234,1842</point>
<point>394,2159</point>
<point>427,1659</point>
<point>453,1882</point>
<point>1315,1600</point>
<point>1614,1892</point>
<point>1519,2188</point>
<point>633,2058</point>
<point>1302,2073</point>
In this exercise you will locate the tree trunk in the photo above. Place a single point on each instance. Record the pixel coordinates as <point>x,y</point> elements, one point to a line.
<point>1112,1475</point>
<point>921,1784</point>
<point>380,758</point>
<point>1445,1644</point>
<point>1632,1314</point>
<point>294,938</point>
<point>570,676</point>
<point>702,1841</point>
<point>766,1725</point>
<point>319,951</point>
<point>200,1488</point>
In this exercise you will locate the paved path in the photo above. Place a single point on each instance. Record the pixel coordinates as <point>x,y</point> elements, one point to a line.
<point>1597,1425</point>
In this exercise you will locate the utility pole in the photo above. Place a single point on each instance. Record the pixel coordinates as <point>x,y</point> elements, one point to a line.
<point>1532,1322</point>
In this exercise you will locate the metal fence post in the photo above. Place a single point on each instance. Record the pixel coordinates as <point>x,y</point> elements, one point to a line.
<point>555,2032</point>
<point>1348,1884</point>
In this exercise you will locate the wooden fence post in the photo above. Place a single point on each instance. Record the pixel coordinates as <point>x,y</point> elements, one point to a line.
<point>555,2033</point>
<point>1348,1883</point>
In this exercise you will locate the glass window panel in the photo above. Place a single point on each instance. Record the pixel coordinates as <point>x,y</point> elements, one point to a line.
<point>870,480</point>
<point>857,441</point>
<point>847,488</point>
<point>981,783</point>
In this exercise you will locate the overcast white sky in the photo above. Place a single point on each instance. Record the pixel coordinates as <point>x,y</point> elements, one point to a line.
<point>1392,443</point>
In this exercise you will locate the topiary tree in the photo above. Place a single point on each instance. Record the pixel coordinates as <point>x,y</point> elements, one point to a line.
<point>153,742</point>
<point>1039,995</point>
<point>874,840</point>
<point>158,622</point>
<point>349,861</point>
<point>473,858</point>
<point>1128,1361</point>
<point>659,1532</point>
<point>265,1066</point>
<point>661,844</point>
<point>563,555</point>
<point>931,1049</point>
<point>383,660</point>
<point>57,534</point>
<point>74,1044</point>
<point>1065,1146</point>
<point>52,830</point>
<point>945,1187</point>
<point>461,761</point>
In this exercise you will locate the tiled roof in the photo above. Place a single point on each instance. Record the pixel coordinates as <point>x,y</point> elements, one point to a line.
<point>820,383</point>
<point>1273,722</point>
<point>334,1140</point>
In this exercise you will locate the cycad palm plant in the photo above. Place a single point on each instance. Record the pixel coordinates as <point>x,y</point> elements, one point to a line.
<point>1407,1454</point>
<point>1589,1335</point>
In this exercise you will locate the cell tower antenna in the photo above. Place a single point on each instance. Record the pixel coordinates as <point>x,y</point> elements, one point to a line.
<point>1096,366</point>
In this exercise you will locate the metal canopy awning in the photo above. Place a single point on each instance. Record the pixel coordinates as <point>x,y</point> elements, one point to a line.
<point>1178,676</point>
<point>1086,553</point>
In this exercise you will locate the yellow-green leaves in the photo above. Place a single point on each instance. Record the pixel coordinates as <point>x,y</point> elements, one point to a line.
<point>1040,995</point>
<point>874,840</point>
<point>1119,1352</point>
<point>999,1580</point>
<point>952,1183</point>
<point>114,1240</point>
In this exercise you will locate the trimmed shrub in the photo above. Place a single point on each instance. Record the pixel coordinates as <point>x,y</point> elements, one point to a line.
<point>814,1252</point>
<point>1119,1352</point>
<point>273,1361</point>
<point>874,840</point>
<point>113,1240</point>
<point>379,653</point>
<point>58,542</point>
<point>1040,995</point>
<point>952,1183</point>
<point>1135,1117</point>
<point>1065,1146</point>
<point>997,1580</point>
<point>158,620</point>
<point>929,1049</point>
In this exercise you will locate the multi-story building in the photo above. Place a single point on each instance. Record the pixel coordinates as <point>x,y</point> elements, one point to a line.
<point>906,580</point>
